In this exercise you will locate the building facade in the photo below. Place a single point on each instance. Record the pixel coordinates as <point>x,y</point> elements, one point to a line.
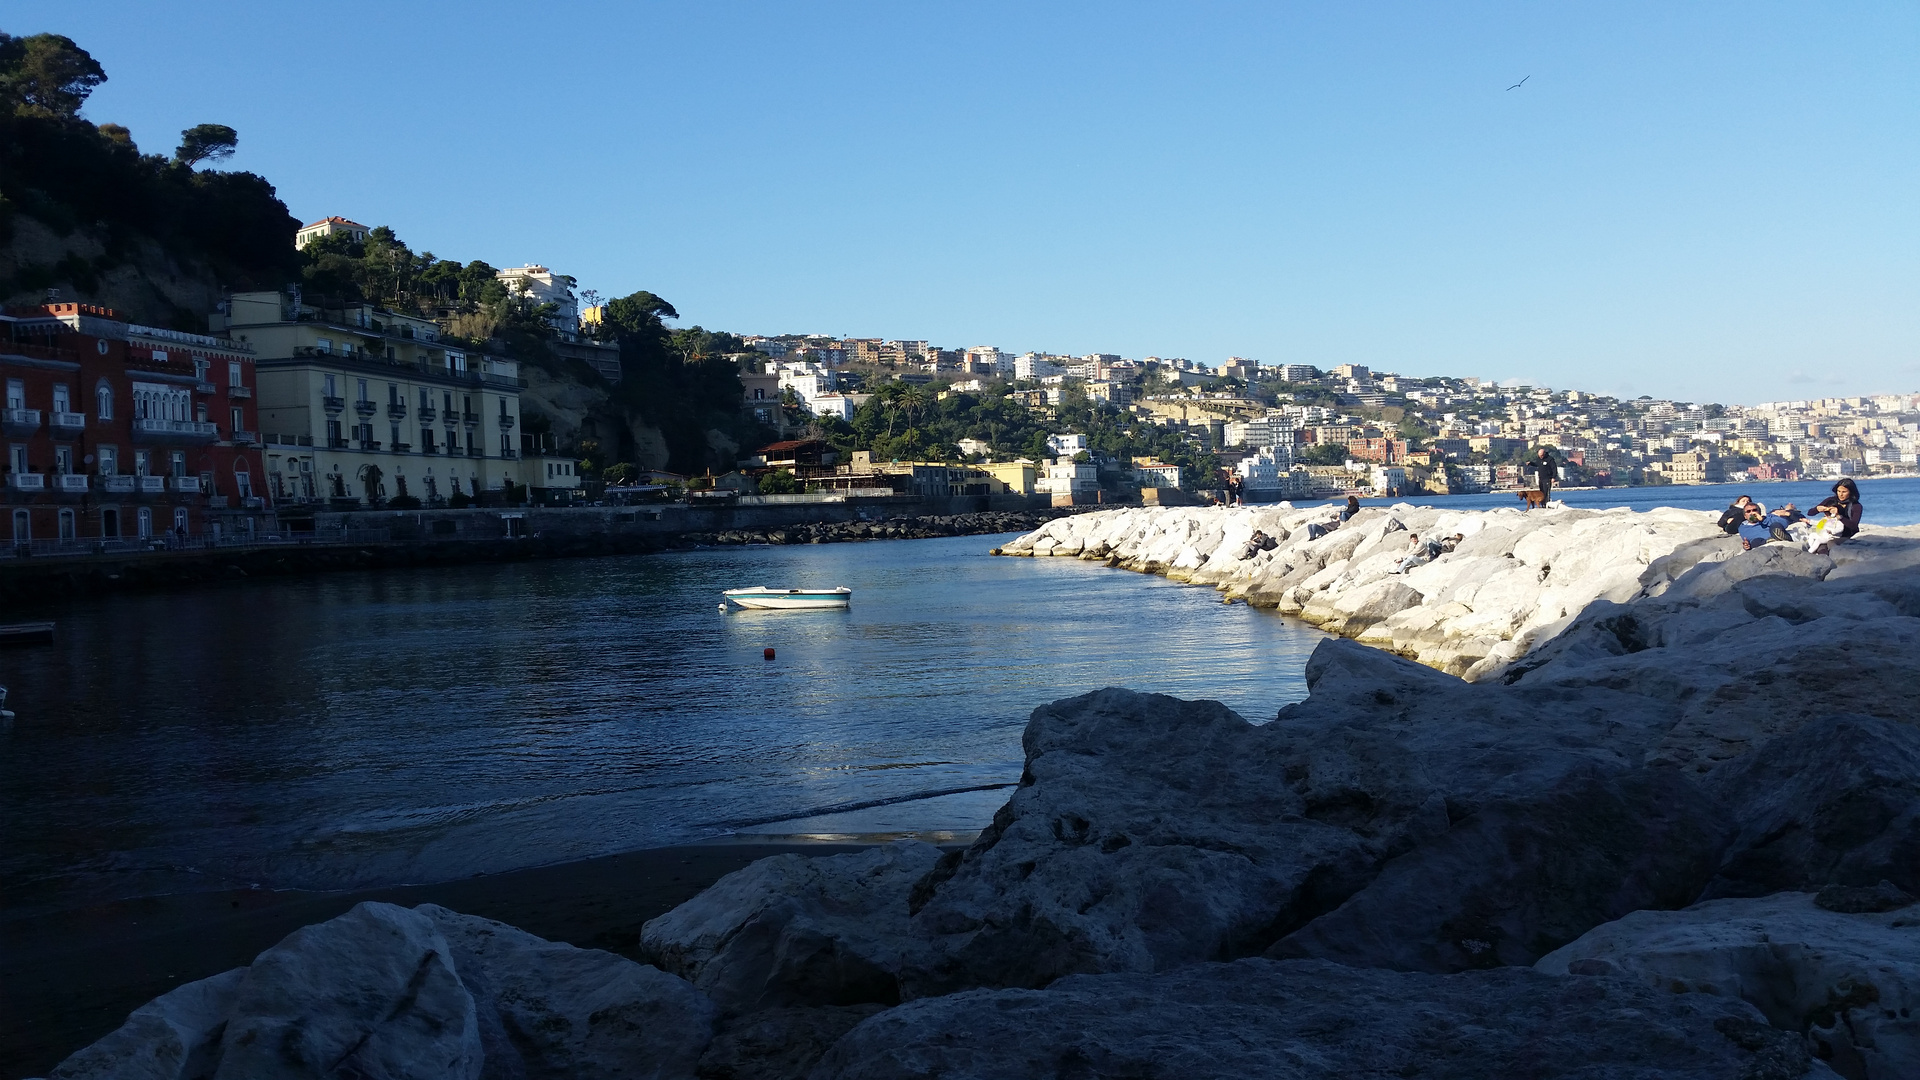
<point>116,431</point>
<point>359,403</point>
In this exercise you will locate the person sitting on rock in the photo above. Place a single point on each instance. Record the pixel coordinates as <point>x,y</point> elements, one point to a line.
<point>1835,519</point>
<point>1761,527</point>
<point>1451,543</point>
<point>1735,515</point>
<point>1353,507</point>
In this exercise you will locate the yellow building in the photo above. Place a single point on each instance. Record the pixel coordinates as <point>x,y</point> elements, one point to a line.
<point>358,402</point>
<point>1019,476</point>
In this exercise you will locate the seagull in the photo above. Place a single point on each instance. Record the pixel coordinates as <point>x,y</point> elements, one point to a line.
<point>1519,84</point>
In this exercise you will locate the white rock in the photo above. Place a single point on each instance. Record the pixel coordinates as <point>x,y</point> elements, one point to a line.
<point>176,1036</point>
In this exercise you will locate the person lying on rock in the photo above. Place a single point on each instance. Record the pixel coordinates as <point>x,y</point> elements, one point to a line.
<point>1761,527</point>
<point>1417,553</point>
<point>1735,515</point>
<point>1448,545</point>
<point>1256,544</point>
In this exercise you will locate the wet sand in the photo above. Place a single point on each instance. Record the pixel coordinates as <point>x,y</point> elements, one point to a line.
<point>69,977</point>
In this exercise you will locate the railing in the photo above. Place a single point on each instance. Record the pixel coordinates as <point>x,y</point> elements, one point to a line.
<point>239,391</point>
<point>115,484</point>
<point>427,414</point>
<point>396,411</point>
<point>204,387</point>
<point>26,481</point>
<point>244,438</point>
<point>336,444</point>
<point>509,454</point>
<point>150,485</point>
<point>471,418</point>
<point>68,421</point>
<point>369,444</point>
<point>166,542</point>
<point>430,448</point>
<point>332,404</point>
<point>187,485</point>
<point>71,483</point>
<point>506,422</point>
<point>365,408</point>
<point>475,451</point>
<point>271,439</point>
<point>400,447</point>
<point>193,429</point>
<point>20,421</point>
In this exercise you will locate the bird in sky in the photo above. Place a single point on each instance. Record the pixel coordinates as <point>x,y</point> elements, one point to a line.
<point>1519,84</point>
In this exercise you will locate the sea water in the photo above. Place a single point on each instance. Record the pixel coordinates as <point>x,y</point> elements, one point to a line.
<point>368,728</point>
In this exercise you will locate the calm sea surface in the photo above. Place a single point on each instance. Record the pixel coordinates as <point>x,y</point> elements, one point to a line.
<point>366,728</point>
<point>1886,502</point>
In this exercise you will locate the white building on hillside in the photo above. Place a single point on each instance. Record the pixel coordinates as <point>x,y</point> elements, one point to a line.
<point>544,286</point>
<point>1066,444</point>
<point>327,227</point>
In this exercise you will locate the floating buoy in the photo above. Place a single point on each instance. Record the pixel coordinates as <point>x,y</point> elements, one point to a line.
<point>768,654</point>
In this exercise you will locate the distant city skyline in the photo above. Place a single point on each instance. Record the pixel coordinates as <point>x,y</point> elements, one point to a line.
<point>1711,203</point>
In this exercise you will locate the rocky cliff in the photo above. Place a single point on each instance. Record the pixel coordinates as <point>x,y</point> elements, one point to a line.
<point>1678,837</point>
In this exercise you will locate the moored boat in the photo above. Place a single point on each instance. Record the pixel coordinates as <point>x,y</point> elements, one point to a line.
<point>763,598</point>
<point>30,633</point>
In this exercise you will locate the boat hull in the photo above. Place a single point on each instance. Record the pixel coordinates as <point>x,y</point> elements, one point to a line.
<point>789,599</point>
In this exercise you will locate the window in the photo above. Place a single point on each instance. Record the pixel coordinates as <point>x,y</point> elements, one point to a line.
<point>239,421</point>
<point>103,400</point>
<point>62,402</point>
<point>180,520</point>
<point>178,464</point>
<point>503,408</point>
<point>393,393</point>
<point>324,346</point>
<point>426,440</point>
<point>17,456</point>
<point>233,373</point>
<point>447,398</point>
<point>334,438</point>
<point>110,523</point>
<point>141,459</point>
<point>425,401</point>
<point>67,531</point>
<point>63,459</point>
<point>145,519</point>
<point>22,526</point>
<point>505,447</point>
<point>363,389</point>
<point>200,369</point>
<point>16,394</point>
<point>242,481</point>
<point>466,403</point>
<point>109,460</point>
<point>330,391</point>
<point>396,437</point>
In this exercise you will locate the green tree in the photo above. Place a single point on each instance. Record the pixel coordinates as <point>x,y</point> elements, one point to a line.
<point>1324,454</point>
<point>47,74</point>
<point>206,142</point>
<point>779,482</point>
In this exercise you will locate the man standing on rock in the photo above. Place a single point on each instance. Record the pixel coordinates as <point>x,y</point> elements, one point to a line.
<point>1545,471</point>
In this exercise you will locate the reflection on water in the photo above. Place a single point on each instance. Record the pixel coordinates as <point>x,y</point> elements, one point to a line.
<point>355,729</point>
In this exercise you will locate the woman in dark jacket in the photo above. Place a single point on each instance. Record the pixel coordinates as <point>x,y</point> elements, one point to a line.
<point>1844,505</point>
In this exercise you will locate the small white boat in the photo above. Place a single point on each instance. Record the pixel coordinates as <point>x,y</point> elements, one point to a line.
<point>763,598</point>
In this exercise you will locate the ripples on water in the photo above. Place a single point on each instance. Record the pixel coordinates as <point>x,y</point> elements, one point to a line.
<point>365,728</point>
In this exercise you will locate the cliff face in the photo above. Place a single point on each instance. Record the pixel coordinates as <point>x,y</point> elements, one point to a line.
<point>1678,836</point>
<point>141,279</point>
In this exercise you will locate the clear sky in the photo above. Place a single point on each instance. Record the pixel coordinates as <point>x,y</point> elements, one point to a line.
<point>1701,201</point>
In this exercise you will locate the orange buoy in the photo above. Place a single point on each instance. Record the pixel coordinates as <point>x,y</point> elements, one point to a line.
<point>768,654</point>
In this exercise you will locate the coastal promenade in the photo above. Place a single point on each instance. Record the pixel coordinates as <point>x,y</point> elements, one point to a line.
<point>378,539</point>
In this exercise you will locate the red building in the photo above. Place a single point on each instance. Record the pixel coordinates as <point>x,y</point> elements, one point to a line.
<point>117,431</point>
<point>1383,451</point>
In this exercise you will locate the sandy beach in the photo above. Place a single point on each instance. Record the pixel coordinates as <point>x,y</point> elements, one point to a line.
<point>69,977</point>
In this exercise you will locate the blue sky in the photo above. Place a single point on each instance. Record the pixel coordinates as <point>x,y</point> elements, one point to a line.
<point>1701,201</point>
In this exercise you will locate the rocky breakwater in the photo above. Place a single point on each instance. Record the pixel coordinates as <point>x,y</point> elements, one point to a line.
<point>1681,839</point>
<point>1515,579</point>
<point>925,527</point>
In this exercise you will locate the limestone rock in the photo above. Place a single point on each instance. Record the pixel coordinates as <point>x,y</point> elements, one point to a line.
<point>1835,802</point>
<point>779,1043</point>
<point>1850,982</point>
<point>1311,1019</point>
<point>551,1010</point>
<point>793,930</point>
<point>1524,875</point>
<point>176,1036</point>
<point>372,993</point>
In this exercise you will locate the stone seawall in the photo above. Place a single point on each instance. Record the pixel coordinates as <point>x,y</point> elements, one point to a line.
<point>1517,579</point>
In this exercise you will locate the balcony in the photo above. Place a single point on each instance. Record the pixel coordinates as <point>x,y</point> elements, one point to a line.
<point>333,404</point>
<point>253,502</point>
<point>26,481</point>
<point>427,414</point>
<point>365,408</point>
<point>19,421</point>
<point>400,447</point>
<point>148,429</point>
<point>396,410</point>
<point>369,444</point>
<point>186,485</point>
<point>506,422</point>
<point>474,451</point>
<point>117,485</point>
<point>204,387</point>
<point>244,438</point>
<point>70,483</point>
<point>67,423</point>
<point>239,391</point>
<point>471,418</point>
<point>430,448</point>
<point>336,444</point>
<point>509,454</point>
<point>150,485</point>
